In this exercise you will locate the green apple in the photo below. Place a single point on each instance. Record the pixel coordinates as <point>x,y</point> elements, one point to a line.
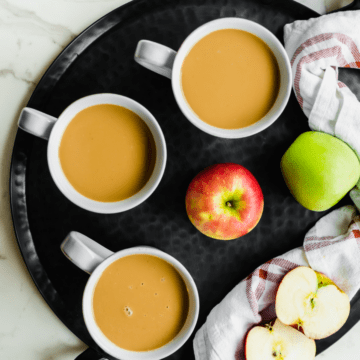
<point>319,169</point>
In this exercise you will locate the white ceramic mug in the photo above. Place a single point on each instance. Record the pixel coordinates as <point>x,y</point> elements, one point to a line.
<point>52,129</point>
<point>93,258</point>
<point>167,62</point>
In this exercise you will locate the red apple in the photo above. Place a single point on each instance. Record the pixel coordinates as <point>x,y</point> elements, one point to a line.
<point>224,201</point>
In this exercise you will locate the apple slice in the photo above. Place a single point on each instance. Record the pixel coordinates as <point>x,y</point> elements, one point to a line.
<point>312,303</point>
<point>278,342</point>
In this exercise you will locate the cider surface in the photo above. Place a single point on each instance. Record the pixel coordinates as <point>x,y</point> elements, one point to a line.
<point>230,79</point>
<point>107,153</point>
<point>140,302</point>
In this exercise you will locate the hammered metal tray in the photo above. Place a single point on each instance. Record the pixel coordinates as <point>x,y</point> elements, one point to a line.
<point>101,60</point>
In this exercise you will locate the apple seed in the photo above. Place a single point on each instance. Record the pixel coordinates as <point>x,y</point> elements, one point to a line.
<point>312,303</point>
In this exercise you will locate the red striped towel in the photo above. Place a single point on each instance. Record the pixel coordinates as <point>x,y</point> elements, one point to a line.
<point>331,243</point>
<point>316,48</point>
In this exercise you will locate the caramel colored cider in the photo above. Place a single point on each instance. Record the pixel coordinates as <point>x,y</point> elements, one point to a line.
<point>107,153</point>
<point>230,79</point>
<point>140,302</point>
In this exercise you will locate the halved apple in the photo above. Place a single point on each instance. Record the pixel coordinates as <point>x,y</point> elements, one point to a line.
<point>312,303</point>
<point>278,342</point>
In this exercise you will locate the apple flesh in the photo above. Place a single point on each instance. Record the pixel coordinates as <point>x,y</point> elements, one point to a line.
<point>319,170</point>
<point>278,342</point>
<point>312,303</point>
<point>224,201</point>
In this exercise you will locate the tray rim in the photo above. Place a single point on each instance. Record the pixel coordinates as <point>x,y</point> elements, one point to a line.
<point>19,133</point>
<point>22,138</point>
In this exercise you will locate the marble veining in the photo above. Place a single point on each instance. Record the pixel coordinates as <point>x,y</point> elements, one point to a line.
<point>5,72</point>
<point>29,21</point>
<point>24,63</point>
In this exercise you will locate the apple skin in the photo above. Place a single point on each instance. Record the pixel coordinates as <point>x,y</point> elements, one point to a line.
<point>319,170</point>
<point>224,201</point>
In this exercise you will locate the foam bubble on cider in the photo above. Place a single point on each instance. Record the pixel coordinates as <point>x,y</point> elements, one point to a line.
<point>128,311</point>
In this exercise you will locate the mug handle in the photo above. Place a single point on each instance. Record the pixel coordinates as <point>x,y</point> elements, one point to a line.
<point>36,122</point>
<point>155,57</point>
<point>85,253</point>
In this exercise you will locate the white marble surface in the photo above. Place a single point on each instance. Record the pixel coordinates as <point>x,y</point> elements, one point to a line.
<point>32,34</point>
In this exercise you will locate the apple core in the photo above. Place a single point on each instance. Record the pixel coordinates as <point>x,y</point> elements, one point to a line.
<point>312,303</point>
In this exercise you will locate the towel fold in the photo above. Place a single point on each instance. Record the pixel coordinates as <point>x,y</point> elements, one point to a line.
<point>331,247</point>
<point>316,48</point>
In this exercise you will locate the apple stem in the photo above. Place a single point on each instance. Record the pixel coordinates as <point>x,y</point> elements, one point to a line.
<point>229,204</point>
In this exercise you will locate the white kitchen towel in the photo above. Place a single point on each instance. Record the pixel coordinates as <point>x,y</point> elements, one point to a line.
<point>332,247</point>
<point>317,48</point>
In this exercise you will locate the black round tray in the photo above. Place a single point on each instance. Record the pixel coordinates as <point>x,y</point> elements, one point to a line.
<point>101,60</point>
